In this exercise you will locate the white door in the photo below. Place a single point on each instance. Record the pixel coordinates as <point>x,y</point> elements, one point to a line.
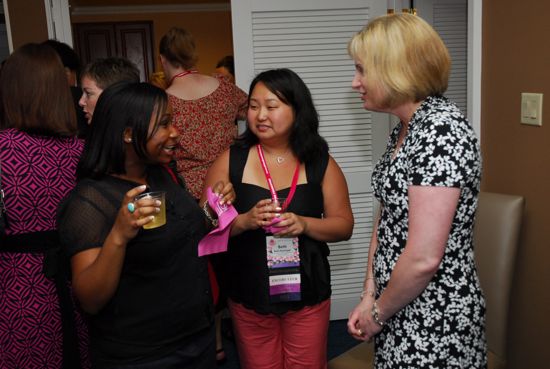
<point>450,19</point>
<point>310,37</point>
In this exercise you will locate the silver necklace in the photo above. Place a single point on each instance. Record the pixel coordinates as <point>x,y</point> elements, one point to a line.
<point>280,159</point>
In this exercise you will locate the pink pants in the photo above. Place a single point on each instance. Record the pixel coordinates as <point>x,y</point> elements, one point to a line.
<point>295,340</point>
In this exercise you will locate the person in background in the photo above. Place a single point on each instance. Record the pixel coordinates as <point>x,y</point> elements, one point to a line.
<point>146,290</point>
<point>69,58</point>
<point>204,108</point>
<point>71,63</point>
<point>39,151</point>
<point>422,302</point>
<point>226,67</point>
<point>100,74</point>
<point>279,325</point>
<point>159,79</point>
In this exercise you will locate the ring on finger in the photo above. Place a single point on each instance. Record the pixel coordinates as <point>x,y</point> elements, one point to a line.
<point>131,207</point>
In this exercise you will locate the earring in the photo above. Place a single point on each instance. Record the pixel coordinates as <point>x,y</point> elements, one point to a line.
<point>128,140</point>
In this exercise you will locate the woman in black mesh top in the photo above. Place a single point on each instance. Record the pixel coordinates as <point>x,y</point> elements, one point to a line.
<point>147,291</point>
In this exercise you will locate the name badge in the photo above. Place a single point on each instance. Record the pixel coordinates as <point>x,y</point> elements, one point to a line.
<point>283,262</point>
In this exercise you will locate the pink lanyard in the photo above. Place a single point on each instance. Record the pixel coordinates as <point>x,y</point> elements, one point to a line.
<point>182,74</point>
<point>270,180</point>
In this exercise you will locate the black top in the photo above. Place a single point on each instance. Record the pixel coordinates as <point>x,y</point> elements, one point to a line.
<point>163,298</point>
<point>246,263</point>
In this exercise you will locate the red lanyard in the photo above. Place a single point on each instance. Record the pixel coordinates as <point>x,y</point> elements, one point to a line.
<point>182,74</point>
<point>270,180</point>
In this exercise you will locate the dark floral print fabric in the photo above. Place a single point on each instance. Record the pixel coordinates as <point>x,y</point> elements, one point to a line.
<point>444,327</point>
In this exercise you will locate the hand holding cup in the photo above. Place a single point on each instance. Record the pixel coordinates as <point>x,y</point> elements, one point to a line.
<point>152,207</point>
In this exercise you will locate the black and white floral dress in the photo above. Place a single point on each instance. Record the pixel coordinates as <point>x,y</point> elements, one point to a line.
<point>444,327</point>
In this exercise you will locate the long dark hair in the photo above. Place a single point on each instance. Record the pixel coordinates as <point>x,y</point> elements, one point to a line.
<point>305,141</point>
<point>34,95</point>
<point>121,106</point>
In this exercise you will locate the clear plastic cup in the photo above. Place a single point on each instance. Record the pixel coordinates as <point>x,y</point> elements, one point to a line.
<point>159,219</point>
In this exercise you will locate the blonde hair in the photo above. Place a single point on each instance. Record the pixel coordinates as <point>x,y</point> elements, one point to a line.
<point>178,47</point>
<point>403,55</point>
<point>158,79</point>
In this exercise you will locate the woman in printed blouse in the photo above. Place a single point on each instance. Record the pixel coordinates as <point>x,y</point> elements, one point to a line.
<point>205,108</point>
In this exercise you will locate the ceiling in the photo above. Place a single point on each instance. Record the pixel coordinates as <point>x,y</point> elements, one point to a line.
<point>82,3</point>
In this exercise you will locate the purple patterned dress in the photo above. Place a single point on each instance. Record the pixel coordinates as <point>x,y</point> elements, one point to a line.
<point>37,173</point>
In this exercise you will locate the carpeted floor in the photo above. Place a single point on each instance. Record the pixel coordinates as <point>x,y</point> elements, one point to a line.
<point>339,341</point>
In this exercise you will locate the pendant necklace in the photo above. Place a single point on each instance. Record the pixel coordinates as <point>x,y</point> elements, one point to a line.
<point>181,74</point>
<point>280,159</point>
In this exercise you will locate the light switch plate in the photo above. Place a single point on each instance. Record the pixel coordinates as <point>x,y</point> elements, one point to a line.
<point>531,109</point>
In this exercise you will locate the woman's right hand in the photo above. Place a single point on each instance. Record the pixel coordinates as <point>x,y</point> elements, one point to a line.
<point>261,214</point>
<point>96,271</point>
<point>225,191</point>
<point>127,224</point>
<point>358,320</point>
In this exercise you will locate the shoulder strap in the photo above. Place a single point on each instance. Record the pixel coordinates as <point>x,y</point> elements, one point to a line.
<point>315,170</point>
<point>237,161</point>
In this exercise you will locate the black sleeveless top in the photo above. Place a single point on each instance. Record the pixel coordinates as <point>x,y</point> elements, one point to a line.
<point>246,261</point>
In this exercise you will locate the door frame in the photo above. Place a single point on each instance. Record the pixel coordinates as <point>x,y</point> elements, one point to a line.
<point>59,21</point>
<point>7,23</point>
<point>475,34</point>
<point>59,27</point>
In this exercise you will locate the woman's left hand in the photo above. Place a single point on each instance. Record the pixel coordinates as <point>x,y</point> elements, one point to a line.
<point>291,225</point>
<point>361,325</point>
<point>225,191</point>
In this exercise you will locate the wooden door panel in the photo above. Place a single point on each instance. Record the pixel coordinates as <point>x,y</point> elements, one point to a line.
<point>132,40</point>
<point>94,41</point>
<point>136,43</point>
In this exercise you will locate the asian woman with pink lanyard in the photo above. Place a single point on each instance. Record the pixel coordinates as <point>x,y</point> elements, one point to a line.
<point>276,267</point>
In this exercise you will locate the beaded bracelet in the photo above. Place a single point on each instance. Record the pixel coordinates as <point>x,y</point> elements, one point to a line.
<point>376,315</point>
<point>207,214</point>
